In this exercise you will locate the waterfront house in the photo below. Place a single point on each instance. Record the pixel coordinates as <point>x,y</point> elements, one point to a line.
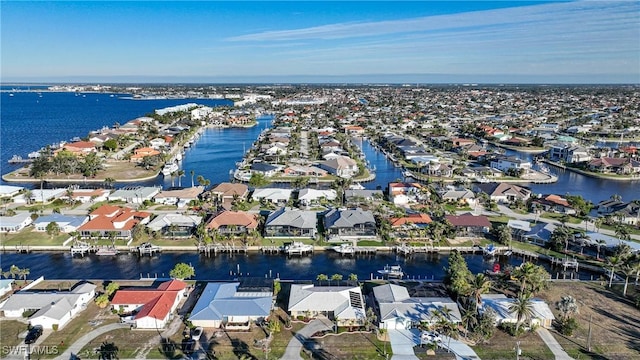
<point>308,197</point>
<point>538,234</point>
<point>150,308</point>
<point>504,163</point>
<point>311,171</point>
<point>628,213</point>
<point>233,222</point>
<point>568,153</point>
<point>141,153</point>
<point>503,193</point>
<point>609,205</point>
<point>274,195</point>
<point>462,196</point>
<point>349,224</point>
<point>15,223</point>
<point>179,197</point>
<point>135,195</point>
<point>88,195</point>
<point>343,166</point>
<point>80,148</point>
<point>46,195</point>
<point>227,193</point>
<point>418,220</point>
<point>291,222</point>
<point>402,193</point>
<point>500,304</point>
<point>620,166</point>
<point>6,286</point>
<point>51,309</point>
<point>342,303</point>
<point>468,225</point>
<point>265,169</point>
<point>398,310</point>
<point>9,191</point>
<point>232,306</point>
<point>110,219</point>
<point>66,223</point>
<point>175,225</point>
<point>354,130</point>
<point>553,203</point>
<point>356,196</point>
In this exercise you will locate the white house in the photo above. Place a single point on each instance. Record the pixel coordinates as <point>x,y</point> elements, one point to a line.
<point>506,163</point>
<point>89,195</point>
<point>311,196</point>
<point>5,286</point>
<point>66,223</point>
<point>231,305</point>
<point>52,309</point>
<point>499,303</point>
<point>135,195</point>
<point>398,310</point>
<point>344,303</point>
<point>274,195</point>
<point>15,223</point>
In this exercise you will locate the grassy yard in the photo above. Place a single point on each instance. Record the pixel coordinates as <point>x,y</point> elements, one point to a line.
<point>10,331</point>
<point>632,230</point>
<point>614,325</point>
<point>502,346</point>
<point>29,237</point>
<point>555,216</point>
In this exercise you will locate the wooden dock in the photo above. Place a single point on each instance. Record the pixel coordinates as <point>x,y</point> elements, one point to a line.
<point>82,249</point>
<point>23,249</point>
<point>221,248</point>
<point>271,249</point>
<point>146,249</point>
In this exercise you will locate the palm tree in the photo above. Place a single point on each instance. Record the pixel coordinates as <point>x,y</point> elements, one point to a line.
<point>192,172</point>
<point>631,266</point>
<point>480,284</point>
<point>180,175</point>
<point>599,243</point>
<point>173,176</point>
<point>322,277</point>
<point>567,306</point>
<point>613,262</point>
<point>523,309</point>
<point>622,233</point>
<point>524,273</point>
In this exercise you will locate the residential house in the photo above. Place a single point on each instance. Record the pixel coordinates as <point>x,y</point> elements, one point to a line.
<point>311,171</point>
<point>46,195</point>
<point>342,303</point>
<point>51,309</point>
<point>232,306</point>
<point>503,193</point>
<point>309,197</point>
<point>265,169</point>
<point>175,225</point>
<point>9,191</point>
<point>612,165</point>
<point>89,195</point>
<point>504,163</point>
<point>538,234</point>
<point>354,130</point>
<point>141,153</point>
<point>399,310</point>
<point>343,166</point>
<point>274,195</point>
<point>291,222</point>
<point>66,223</point>
<point>15,223</point>
<point>349,224</point>
<point>6,286</point>
<point>227,193</point>
<point>468,225</point>
<point>418,220</point>
<point>569,153</point>
<point>80,148</point>
<point>462,196</point>
<point>609,206</point>
<point>358,196</point>
<point>135,195</point>
<point>628,213</point>
<point>180,197</point>
<point>150,308</point>
<point>553,203</point>
<point>501,305</point>
<point>233,222</point>
<point>109,219</point>
<point>407,193</point>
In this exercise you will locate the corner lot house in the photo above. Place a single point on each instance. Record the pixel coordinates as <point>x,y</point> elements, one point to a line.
<point>150,308</point>
<point>52,309</point>
<point>342,302</point>
<point>233,306</point>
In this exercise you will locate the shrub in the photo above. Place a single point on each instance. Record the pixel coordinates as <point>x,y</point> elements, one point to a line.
<point>55,327</point>
<point>510,328</point>
<point>567,327</point>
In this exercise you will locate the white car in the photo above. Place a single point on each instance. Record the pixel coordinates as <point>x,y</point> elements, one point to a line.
<point>430,337</point>
<point>196,333</point>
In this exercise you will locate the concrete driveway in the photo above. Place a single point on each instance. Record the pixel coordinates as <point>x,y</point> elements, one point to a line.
<point>402,343</point>
<point>297,342</point>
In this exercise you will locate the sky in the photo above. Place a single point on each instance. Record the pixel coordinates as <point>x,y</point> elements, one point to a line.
<point>321,42</point>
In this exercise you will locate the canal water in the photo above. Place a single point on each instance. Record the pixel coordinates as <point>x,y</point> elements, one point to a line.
<point>61,265</point>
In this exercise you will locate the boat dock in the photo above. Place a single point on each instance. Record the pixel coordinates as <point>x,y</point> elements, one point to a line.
<point>566,263</point>
<point>146,249</point>
<point>350,250</point>
<point>81,248</point>
<point>23,249</point>
<point>221,248</point>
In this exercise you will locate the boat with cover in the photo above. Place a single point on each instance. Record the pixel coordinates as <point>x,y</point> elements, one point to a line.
<point>392,271</point>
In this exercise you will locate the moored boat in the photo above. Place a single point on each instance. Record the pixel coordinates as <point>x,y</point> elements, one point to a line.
<point>392,271</point>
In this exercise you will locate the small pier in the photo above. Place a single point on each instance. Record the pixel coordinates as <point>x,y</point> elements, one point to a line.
<point>81,248</point>
<point>270,249</point>
<point>350,250</point>
<point>23,249</point>
<point>146,249</point>
<point>566,263</point>
<point>221,248</point>
<point>408,250</point>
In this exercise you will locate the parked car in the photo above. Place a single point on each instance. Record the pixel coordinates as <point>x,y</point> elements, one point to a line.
<point>33,334</point>
<point>197,333</point>
<point>427,337</point>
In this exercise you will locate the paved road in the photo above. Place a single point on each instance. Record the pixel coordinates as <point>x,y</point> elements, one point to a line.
<point>75,348</point>
<point>296,343</point>
<point>553,344</point>
<point>461,350</point>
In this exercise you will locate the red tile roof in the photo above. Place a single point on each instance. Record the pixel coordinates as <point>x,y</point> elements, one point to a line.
<point>468,220</point>
<point>227,218</point>
<point>411,218</point>
<point>156,303</point>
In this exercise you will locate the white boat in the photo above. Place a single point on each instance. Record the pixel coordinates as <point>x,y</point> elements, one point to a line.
<point>344,249</point>
<point>34,154</point>
<point>356,186</point>
<point>108,251</point>
<point>392,271</point>
<point>297,247</point>
<point>170,168</point>
<point>407,174</point>
<point>489,250</point>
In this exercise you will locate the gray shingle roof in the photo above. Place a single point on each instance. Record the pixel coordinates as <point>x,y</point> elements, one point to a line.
<point>347,218</point>
<point>293,217</point>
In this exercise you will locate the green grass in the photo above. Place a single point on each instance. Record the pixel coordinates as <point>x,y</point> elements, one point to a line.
<point>555,216</point>
<point>632,230</point>
<point>370,243</point>
<point>9,336</point>
<point>32,238</point>
<point>282,241</point>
